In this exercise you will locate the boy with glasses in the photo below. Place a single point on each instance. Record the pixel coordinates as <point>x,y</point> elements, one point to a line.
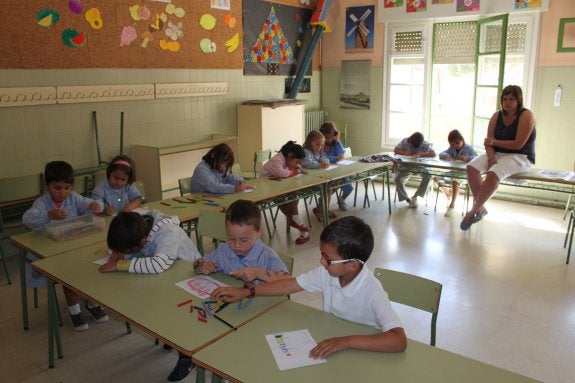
<point>350,291</point>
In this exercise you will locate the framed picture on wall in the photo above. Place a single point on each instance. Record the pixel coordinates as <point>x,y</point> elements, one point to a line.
<point>355,84</point>
<point>359,29</point>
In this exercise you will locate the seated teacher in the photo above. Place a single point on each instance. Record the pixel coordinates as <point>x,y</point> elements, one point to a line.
<point>212,175</point>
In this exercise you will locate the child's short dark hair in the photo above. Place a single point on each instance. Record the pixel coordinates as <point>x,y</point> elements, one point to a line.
<point>123,163</point>
<point>296,150</point>
<point>244,212</point>
<point>328,128</point>
<point>219,154</point>
<point>311,137</point>
<point>351,236</point>
<point>58,171</point>
<point>127,230</point>
<point>455,136</point>
<point>416,139</point>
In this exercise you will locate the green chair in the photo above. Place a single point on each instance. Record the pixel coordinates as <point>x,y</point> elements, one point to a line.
<point>140,186</point>
<point>413,291</point>
<point>211,224</point>
<point>288,260</point>
<point>261,157</point>
<point>185,186</point>
<point>16,195</point>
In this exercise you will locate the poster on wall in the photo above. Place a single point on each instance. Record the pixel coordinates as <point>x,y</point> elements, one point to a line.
<point>523,4</point>
<point>276,38</point>
<point>359,29</point>
<point>393,3</point>
<point>416,6</point>
<point>354,90</point>
<point>467,5</point>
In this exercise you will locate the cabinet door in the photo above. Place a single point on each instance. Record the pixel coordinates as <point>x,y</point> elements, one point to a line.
<point>281,125</point>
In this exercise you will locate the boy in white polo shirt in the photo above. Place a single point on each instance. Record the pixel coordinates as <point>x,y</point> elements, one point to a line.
<point>350,291</point>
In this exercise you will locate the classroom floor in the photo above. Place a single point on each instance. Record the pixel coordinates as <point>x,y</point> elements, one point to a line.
<point>508,298</point>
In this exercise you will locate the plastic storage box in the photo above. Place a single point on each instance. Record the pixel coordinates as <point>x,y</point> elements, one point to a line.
<point>75,227</point>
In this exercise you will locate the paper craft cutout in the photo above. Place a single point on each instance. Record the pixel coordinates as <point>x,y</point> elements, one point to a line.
<point>94,18</point>
<point>233,43</point>
<point>172,10</point>
<point>172,46</point>
<point>271,46</point>
<point>230,21</point>
<point>200,285</point>
<point>208,22</point>
<point>220,4</point>
<point>139,12</point>
<point>73,39</point>
<point>47,17</point>
<point>207,46</point>
<point>75,6</point>
<point>416,6</point>
<point>174,31</point>
<point>467,5</point>
<point>128,36</point>
<point>291,349</point>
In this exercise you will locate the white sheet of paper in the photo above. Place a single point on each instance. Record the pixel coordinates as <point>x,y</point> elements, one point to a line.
<point>102,261</point>
<point>291,349</point>
<point>330,167</point>
<point>345,162</point>
<point>201,285</point>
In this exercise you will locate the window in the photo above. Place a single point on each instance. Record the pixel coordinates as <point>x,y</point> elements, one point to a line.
<point>431,87</point>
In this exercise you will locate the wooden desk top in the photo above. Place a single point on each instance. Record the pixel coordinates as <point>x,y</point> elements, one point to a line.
<point>149,301</point>
<point>244,356</point>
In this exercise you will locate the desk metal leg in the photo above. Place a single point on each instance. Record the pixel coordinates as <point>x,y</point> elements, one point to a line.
<point>22,260</point>
<point>388,189</point>
<point>324,188</point>
<point>570,231</point>
<point>53,325</point>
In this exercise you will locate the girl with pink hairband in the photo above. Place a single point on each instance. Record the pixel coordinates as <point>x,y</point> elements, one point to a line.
<point>117,193</point>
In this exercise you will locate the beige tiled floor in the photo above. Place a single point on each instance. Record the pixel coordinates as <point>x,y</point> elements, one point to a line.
<point>508,298</point>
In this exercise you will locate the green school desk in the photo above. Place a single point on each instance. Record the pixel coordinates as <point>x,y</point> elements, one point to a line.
<point>39,244</point>
<point>150,302</point>
<point>244,355</point>
<point>344,174</point>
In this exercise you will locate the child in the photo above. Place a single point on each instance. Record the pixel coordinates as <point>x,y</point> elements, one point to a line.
<point>211,175</point>
<point>315,158</point>
<point>416,147</point>
<point>334,151</point>
<point>147,244</point>
<point>287,163</point>
<point>458,151</point>
<point>243,254</point>
<point>58,203</point>
<point>350,291</point>
<point>117,193</point>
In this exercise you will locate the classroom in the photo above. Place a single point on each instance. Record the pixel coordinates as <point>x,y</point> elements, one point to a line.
<point>86,97</point>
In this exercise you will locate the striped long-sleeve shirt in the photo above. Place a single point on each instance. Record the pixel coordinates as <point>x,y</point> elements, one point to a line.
<point>165,243</point>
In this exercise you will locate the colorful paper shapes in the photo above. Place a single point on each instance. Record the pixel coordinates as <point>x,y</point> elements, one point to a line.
<point>172,46</point>
<point>158,21</point>
<point>230,21</point>
<point>147,37</point>
<point>271,46</point>
<point>75,6</point>
<point>128,36</point>
<point>47,17</point>
<point>233,43</point>
<point>175,31</point>
<point>171,9</point>
<point>207,46</point>
<point>73,38</point>
<point>94,18</point>
<point>208,22</point>
<point>139,12</point>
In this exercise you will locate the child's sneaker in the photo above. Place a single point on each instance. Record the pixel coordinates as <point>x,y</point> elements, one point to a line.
<point>182,370</point>
<point>97,313</point>
<point>341,204</point>
<point>79,323</point>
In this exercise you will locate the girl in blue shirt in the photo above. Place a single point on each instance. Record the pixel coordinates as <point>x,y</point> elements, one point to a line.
<point>117,193</point>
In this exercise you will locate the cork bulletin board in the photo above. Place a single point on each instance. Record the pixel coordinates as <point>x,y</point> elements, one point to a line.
<point>121,34</point>
<point>193,34</point>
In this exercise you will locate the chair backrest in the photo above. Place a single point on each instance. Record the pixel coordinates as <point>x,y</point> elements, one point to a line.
<point>20,188</point>
<point>260,157</point>
<point>140,186</point>
<point>211,224</point>
<point>236,170</point>
<point>185,185</point>
<point>347,153</point>
<point>414,291</point>
<point>288,260</point>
